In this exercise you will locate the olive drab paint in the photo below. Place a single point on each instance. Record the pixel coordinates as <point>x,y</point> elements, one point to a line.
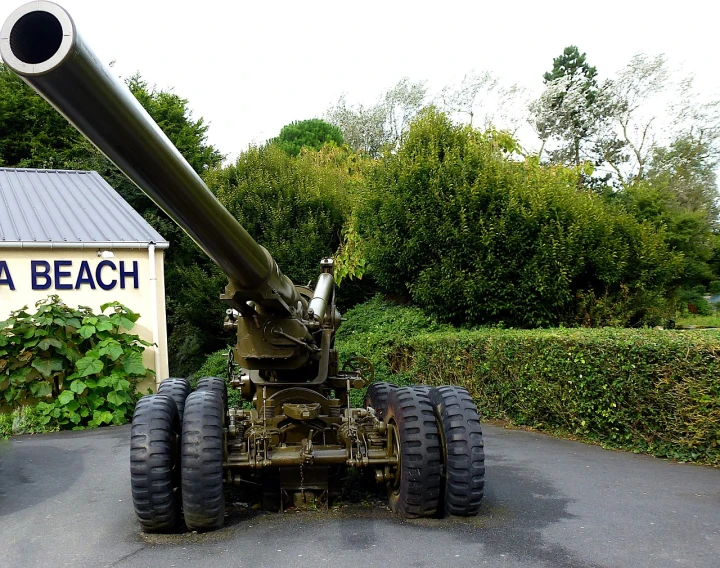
<point>285,365</point>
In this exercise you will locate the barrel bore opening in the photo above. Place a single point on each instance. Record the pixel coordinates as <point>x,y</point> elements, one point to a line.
<point>36,37</point>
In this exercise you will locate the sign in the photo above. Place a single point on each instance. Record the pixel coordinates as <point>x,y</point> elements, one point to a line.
<point>69,275</point>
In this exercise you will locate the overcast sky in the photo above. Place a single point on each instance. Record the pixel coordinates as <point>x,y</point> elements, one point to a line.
<point>250,67</point>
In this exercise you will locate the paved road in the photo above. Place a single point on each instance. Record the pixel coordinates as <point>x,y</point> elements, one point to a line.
<point>65,501</point>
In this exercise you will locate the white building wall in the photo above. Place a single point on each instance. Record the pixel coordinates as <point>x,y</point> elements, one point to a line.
<point>72,274</point>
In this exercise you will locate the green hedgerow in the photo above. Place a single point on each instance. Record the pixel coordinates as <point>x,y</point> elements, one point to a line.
<point>656,391</point>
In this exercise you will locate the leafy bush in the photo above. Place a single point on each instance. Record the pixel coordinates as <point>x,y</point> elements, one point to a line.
<point>653,391</point>
<point>693,300</point>
<point>474,236</point>
<point>216,366</point>
<point>294,207</point>
<point>82,367</point>
<point>646,390</point>
<point>373,329</point>
<point>25,420</point>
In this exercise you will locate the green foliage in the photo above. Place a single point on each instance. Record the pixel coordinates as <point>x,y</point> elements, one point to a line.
<point>687,168</point>
<point>24,420</point>
<point>81,366</point>
<point>295,206</point>
<point>652,391</point>
<point>349,260</point>
<point>714,287</point>
<point>216,365</point>
<point>687,231</point>
<point>34,135</point>
<point>475,237</point>
<point>691,299</point>
<point>374,328</point>
<point>313,134</point>
<point>645,390</point>
<point>571,63</point>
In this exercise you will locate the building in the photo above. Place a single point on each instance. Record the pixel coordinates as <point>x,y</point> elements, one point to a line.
<point>69,233</point>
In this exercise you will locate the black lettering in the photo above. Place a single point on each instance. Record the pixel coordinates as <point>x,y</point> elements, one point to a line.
<point>124,274</point>
<point>98,275</point>
<point>7,280</point>
<point>84,276</point>
<point>35,265</point>
<point>59,273</point>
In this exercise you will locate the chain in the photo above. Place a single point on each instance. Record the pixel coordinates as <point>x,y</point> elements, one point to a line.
<point>302,479</point>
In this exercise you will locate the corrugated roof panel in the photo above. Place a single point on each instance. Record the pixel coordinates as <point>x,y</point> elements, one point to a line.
<point>56,207</point>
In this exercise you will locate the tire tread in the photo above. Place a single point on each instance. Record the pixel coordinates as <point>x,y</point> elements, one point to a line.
<point>418,494</point>
<point>154,478</point>
<point>464,450</point>
<point>202,457</point>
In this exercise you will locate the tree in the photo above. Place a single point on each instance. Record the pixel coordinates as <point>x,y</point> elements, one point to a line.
<point>664,147</point>
<point>496,105</point>
<point>686,231</point>
<point>640,129</point>
<point>402,104</point>
<point>35,135</point>
<point>572,63</point>
<point>32,133</point>
<point>628,147</point>
<point>372,129</point>
<point>571,111</point>
<point>313,133</point>
<point>462,99</point>
<point>687,168</point>
<point>294,206</point>
<point>473,235</point>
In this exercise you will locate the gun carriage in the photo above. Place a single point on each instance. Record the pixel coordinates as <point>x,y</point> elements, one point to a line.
<point>424,444</point>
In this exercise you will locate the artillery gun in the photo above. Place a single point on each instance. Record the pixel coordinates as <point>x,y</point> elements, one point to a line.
<point>424,444</point>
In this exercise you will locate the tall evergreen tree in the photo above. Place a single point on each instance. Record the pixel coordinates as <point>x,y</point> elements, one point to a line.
<point>570,113</point>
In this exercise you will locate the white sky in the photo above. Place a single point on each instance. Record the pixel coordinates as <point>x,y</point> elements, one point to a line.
<point>251,67</point>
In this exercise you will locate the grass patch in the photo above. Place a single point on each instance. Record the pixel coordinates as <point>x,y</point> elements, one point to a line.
<point>698,321</point>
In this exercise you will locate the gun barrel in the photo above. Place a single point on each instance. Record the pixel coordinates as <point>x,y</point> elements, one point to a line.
<point>39,42</point>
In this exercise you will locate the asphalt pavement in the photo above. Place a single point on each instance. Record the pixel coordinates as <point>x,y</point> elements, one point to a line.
<point>65,501</point>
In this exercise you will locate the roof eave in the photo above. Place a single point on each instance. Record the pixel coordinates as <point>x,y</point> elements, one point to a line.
<point>79,245</point>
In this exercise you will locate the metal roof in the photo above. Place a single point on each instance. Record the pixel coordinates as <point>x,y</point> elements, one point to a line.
<point>68,209</point>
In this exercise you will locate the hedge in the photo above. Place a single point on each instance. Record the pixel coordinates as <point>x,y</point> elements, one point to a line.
<point>654,391</point>
<point>646,390</point>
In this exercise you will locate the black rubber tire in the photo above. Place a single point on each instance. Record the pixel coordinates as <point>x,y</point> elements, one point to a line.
<point>464,450</point>
<point>417,492</point>
<point>201,462</point>
<point>154,467</point>
<point>377,397</point>
<point>216,385</point>
<point>178,390</point>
